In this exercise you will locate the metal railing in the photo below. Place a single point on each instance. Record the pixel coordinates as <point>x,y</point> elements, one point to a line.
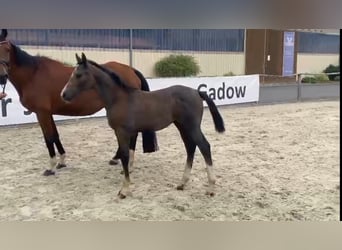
<point>295,90</point>
<point>300,77</point>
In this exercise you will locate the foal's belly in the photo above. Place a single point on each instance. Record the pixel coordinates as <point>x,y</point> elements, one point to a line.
<point>144,113</point>
<point>142,122</point>
<point>158,124</point>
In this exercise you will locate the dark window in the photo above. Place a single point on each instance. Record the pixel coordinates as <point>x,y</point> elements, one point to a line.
<point>190,39</point>
<point>318,43</point>
<point>157,39</point>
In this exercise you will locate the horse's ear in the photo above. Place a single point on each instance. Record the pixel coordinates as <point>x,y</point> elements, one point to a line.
<point>4,33</point>
<point>78,59</point>
<point>84,59</point>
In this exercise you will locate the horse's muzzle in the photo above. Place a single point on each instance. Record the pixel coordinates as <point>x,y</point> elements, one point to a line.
<point>66,97</point>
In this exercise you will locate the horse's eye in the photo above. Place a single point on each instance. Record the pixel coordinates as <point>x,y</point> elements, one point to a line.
<point>78,76</point>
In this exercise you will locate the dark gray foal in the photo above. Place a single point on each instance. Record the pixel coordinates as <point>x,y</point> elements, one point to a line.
<point>130,111</point>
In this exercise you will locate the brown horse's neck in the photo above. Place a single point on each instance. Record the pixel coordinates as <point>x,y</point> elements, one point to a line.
<point>20,74</point>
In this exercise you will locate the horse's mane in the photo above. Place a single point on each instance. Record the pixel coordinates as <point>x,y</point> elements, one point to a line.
<point>116,79</point>
<point>25,59</point>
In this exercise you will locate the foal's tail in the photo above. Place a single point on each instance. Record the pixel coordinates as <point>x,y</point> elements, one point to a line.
<point>149,138</point>
<point>218,121</point>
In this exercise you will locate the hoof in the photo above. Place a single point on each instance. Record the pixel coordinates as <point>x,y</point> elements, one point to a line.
<point>210,193</point>
<point>121,195</point>
<point>113,162</point>
<point>180,187</point>
<point>60,165</point>
<point>122,172</point>
<point>124,193</point>
<point>48,172</point>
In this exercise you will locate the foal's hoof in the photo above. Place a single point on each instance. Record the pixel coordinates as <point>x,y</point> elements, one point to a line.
<point>124,192</point>
<point>121,195</point>
<point>122,172</point>
<point>48,172</point>
<point>210,193</point>
<point>113,162</point>
<point>61,165</point>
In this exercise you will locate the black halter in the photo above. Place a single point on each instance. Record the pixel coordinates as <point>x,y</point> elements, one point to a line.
<point>4,64</point>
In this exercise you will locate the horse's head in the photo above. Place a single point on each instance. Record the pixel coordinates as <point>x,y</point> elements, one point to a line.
<point>4,57</point>
<point>80,80</point>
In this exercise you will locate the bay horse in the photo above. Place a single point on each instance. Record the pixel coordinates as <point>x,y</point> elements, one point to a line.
<point>39,81</point>
<point>131,110</point>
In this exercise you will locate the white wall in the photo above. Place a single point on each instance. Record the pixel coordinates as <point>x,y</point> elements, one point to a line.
<point>211,63</point>
<point>315,63</point>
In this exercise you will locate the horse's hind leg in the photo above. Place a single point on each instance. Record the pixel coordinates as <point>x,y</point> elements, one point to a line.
<point>204,147</point>
<point>190,147</point>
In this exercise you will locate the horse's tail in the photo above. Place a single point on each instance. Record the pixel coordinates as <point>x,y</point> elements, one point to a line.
<point>218,121</point>
<point>144,84</point>
<point>149,138</point>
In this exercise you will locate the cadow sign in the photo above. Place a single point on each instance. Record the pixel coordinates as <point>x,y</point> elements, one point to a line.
<point>223,90</point>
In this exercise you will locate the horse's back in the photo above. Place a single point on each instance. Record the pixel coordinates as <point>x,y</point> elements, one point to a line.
<point>185,102</point>
<point>176,91</point>
<point>125,72</point>
<point>185,94</point>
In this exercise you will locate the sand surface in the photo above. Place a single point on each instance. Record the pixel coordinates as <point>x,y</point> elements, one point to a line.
<point>274,163</point>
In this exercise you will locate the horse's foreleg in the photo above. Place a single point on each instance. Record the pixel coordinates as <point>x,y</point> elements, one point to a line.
<point>124,143</point>
<point>132,146</point>
<point>116,158</point>
<point>59,146</point>
<point>51,137</point>
<point>48,132</point>
<point>50,170</point>
<point>125,191</point>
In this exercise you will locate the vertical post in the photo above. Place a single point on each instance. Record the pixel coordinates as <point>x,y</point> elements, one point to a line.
<point>131,47</point>
<point>299,87</point>
<point>244,46</point>
<point>264,63</point>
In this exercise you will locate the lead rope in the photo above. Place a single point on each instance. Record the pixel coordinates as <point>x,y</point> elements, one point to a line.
<point>3,85</point>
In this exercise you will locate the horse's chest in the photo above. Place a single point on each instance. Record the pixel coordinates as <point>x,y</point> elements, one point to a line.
<point>33,103</point>
<point>28,102</point>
